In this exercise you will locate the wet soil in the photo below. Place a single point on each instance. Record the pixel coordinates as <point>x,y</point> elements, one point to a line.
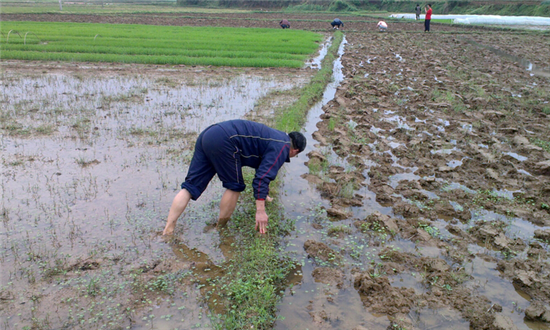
<point>317,22</point>
<point>445,133</point>
<point>432,162</point>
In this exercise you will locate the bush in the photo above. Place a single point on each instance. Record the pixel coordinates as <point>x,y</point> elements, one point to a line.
<point>340,5</point>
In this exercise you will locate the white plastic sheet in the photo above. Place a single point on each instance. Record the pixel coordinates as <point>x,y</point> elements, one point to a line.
<point>486,19</point>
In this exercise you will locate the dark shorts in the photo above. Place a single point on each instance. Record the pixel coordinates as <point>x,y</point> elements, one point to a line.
<point>335,24</point>
<point>214,154</point>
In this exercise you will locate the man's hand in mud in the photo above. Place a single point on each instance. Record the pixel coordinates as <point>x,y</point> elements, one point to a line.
<point>261,216</point>
<point>261,221</point>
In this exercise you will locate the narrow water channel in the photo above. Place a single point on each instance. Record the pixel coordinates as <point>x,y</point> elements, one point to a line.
<point>303,202</point>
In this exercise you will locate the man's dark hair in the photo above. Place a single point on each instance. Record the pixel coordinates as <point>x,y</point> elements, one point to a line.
<point>298,140</point>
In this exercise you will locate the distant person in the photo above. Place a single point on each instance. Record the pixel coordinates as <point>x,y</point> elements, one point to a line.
<point>418,11</point>
<point>382,26</point>
<point>284,24</point>
<point>428,10</point>
<point>337,23</point>
<point>223,149</point>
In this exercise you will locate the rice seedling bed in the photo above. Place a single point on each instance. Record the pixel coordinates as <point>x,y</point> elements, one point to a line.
<point>132,43</point>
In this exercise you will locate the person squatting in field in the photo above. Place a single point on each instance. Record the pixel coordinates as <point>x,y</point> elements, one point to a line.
<point>284,24</point>
<point>382,26</point>
<point>337,23</point>
<point>223,149</point>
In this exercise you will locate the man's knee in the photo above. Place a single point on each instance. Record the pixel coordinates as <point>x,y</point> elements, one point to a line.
<point>192,189</point>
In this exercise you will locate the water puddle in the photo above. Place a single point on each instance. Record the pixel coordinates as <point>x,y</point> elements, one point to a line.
<point>454,163</point>
<point>516,156</point>
<point>315,63</point>
<point>444,151</point>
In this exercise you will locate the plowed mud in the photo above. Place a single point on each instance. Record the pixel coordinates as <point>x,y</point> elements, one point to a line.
<point>453,138</point>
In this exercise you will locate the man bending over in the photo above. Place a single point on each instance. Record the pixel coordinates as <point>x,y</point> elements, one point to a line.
<point>223,149</point>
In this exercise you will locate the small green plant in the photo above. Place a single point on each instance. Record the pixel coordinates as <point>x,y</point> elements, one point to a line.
<point>336,230</point>
<point>433,231</point>
<point>544,144</point>
<point>331,124</point>
<point>93,288</point>
<point>347,190</point>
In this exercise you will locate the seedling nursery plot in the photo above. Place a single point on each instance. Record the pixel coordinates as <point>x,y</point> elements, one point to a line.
<point>156,44</point>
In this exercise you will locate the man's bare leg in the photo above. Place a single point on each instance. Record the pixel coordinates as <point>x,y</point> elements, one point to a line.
<point>178,206</point>
<point>227,206</point>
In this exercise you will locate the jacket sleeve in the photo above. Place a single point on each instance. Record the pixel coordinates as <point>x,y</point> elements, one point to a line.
<point>272,161</point>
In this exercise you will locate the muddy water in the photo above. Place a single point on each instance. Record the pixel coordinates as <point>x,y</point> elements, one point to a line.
<point>90,164</point>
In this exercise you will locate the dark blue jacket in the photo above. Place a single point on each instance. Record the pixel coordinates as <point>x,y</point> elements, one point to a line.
<point>260,147</point>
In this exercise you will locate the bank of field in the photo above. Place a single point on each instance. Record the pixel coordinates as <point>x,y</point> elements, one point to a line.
<point>148,44</point>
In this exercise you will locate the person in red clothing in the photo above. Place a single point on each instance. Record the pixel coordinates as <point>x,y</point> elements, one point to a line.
<point>428,10</point>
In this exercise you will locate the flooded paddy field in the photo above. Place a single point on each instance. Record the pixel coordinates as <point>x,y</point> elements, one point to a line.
<point>91,158</point>
<point>421,202</point>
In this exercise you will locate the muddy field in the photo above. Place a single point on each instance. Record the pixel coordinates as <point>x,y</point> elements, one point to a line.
<point>422,203</point>
<point>316,22</point>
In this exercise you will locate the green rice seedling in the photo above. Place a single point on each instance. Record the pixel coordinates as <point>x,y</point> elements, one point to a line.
<point>45,129</point>
<point>337,230</point>
<point>150,44</point>
<point>433,231</point>
<point>347,190</point>
<point>331,124</point>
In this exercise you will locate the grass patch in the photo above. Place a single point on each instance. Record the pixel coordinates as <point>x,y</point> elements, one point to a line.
<point>443,20</point>
<point>294,117</point>
<point>544,144</point>
<point>147,44</point>
<point>254,279</point>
